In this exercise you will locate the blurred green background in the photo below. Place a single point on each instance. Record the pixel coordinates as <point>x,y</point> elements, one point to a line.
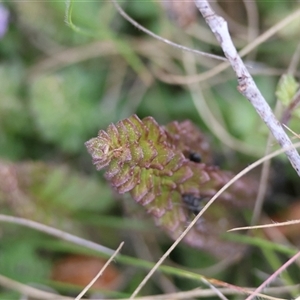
<point>61,84</point>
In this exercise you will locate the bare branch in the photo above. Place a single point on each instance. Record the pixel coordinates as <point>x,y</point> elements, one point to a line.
<point>99,273</point>
<point>57,233</point>
<point>247,86</point>
<point>150,33</point>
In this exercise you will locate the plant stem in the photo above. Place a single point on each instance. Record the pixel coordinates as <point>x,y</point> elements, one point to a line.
<point>247,86</point>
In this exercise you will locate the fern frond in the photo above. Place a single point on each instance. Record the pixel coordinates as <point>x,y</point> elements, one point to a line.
<point>160,167</point>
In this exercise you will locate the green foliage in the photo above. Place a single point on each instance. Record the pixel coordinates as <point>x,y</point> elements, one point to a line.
<point>286,89</point>
<point>64,190</point>
<point>13,265</point>
<point>288,94</point>
<point>52,192</point>
<point>64,106</point>
<point>12,108</point>
<point>54,195</point>
<point>148,10</point>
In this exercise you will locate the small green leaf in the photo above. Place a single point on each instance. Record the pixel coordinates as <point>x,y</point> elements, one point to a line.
<point>286,89</point>
<point>296,113</point>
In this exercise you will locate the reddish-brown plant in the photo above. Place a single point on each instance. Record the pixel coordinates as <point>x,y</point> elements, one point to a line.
<point>168,170</point>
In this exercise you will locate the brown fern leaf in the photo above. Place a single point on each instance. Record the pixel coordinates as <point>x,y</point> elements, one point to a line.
<point>161,168</point>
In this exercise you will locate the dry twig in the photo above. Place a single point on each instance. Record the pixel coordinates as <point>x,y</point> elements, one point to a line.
<point>247,86</point>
